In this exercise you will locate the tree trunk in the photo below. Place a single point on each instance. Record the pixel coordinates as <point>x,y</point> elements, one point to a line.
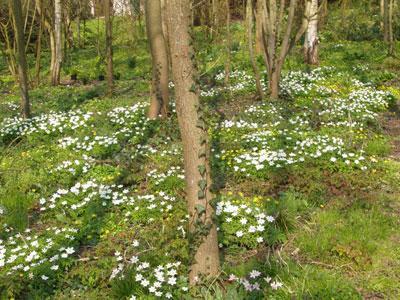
<point>159,91</point>
<point>38,51</point>
<point>55,76</point>
<point>109,52</point>
<point>259,24</point>
<point>390,30</point>
<point>228,43</point>
<point>78,30</point>
<point>274,84</point>
<point>21,56</point>
<point>311,36</point>
<point>193,133</point>
<point>386,21</point>
<point>249,14</point>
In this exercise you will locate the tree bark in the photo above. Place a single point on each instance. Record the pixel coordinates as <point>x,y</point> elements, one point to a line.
<point>259,25</point>
<point>39,51</point>
<point>109,52</point>
<point>21,56</point>
<point>386,22</point>
<point>390,29</point>
<point>197,176</point>
<point>160,79</point>
<point>228,43</point>
<point>249,14</point>
<point>55,76</point>
<point>311,36</point>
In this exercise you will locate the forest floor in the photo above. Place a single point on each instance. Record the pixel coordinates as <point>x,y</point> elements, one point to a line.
<point>308,201</point>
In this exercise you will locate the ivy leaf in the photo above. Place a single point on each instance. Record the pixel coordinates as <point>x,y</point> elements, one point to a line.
<point>200,209</point>
<point>193,88</point>
<point>200,124</point>
<point>202,184</point>
<point>202,153</point>
<point>202,140</point>
<point>201,194</point>
<point>202,169</point>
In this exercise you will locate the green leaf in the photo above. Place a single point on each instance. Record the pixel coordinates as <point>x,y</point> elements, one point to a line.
<point>202,153</point>
<point>202,169</point>
<point>200,124</point>
<point>202,140</point>
<point>193,88</point>
<point>201,194</point>
<point>203,184</point>
<point>200,209</point>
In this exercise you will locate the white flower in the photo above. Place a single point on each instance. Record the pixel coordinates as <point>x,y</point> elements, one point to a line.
<point>44,277</point>
<point>254,274</point>
<point>144,282</point>
<point>171,280</point>
<point>276,285</point>
<point>239,233</point>
<point>232,277</point>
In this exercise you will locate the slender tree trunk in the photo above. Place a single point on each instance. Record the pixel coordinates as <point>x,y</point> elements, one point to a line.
<point>78,30</point>
<point>381,10</point>
<point>109,51</point>
<point>9,51</point>
<point>55,78</point>
<point>193,133</point>
<point>21,56</point>
<point>228,43</point>
<point>84,33</point>
<point>386,23</point>
<point>390,30</point>
<point>159,91</point>
<point>53,52</point>
<point>274,83</point>
<point>249,14</point>
<point>311,36</point>
<point>259,24</point>
<point>38,51</point>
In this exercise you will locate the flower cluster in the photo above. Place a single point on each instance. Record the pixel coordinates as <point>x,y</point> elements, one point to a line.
<point>27,254</point>
<point>79,195</point>
<point>330,149</point>
<point>243,222</point>
<point>53,122</point>
<point>252,282</point>
<point>76,166</point>
<point>158,178</point>
<point>160,281</point>
<point>97,144</point>
<point>297,83</point>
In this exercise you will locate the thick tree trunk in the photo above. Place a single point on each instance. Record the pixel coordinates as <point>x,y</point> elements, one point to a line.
<point>109,52</point>
<point>159,91</point>
<point>55,76</point>
<point>198,196</point>
<point>21,56</point>
<point>249,14</point>
<point>311,36</point>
